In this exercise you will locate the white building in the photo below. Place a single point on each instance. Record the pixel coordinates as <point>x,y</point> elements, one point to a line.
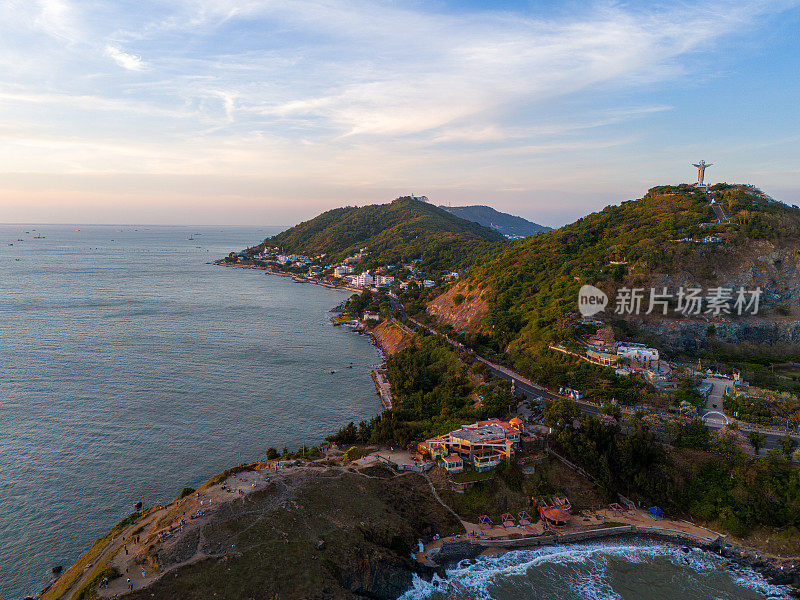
<point>384,280</point>
<point>428,283</point>
<point>363,280</point>
<point>371,316</point>
<point>638,353</point>
<point>343,270</point>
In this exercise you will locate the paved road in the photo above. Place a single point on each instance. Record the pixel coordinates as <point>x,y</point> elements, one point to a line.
<point>534,391</point>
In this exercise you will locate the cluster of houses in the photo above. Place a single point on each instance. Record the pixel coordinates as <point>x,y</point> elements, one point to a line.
<point>709,239</point>
<point>482,445</point>
<point>347,271</point>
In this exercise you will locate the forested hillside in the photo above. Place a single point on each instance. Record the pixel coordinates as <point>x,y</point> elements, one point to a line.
<point>669,237</point>
<point>400,231</point>
<point>509,225</point>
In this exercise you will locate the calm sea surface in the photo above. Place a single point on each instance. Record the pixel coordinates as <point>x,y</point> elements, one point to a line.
<point>130,368</point>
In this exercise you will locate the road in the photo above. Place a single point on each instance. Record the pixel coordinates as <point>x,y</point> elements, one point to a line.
<point>533,390</point>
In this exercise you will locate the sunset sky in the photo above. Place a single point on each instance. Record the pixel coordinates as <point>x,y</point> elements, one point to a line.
<point>251,112</point>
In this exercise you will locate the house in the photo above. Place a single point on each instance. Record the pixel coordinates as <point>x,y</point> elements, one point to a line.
<point>482,444</point>
<point>371,316</point>
<point>384,280</point>
<point>428,283</point>
<point>637,352</point>
<point>450,276</point>
<point>604,358</point>
<point>453,463</point>
<point>343,270</point>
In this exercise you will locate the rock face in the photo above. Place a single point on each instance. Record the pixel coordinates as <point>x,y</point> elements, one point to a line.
<point>772,267</point>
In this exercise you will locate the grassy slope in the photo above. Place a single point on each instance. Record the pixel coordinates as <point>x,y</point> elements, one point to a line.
<point>395,232</point>
<point>368,525</point>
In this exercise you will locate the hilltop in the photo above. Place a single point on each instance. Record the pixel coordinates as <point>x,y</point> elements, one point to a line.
<point>510,226</point>
<point>400,231</point>
<point>526,297</point>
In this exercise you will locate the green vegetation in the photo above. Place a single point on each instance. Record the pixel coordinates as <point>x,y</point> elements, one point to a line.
<point>768,408</point>
<point>434,393</point>
<point>187,491</point>
<point>532,286</point>
<point>506,224</point>
<point>86,590</point>
<point>338,537</point>
<point>395,233</point>
<point>717,484</point>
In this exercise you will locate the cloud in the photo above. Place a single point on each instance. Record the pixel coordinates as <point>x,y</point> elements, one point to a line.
<point>355,93</point>
<point>127,61</point>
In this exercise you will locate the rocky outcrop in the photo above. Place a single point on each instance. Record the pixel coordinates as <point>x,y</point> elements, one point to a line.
<point>313,532</point>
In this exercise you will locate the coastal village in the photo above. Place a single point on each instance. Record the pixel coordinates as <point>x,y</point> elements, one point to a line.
<point>345,273</point>
<point>498,482</point>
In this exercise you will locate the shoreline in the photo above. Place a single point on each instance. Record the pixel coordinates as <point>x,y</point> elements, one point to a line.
<point>297,278</point>
<point>777,571</point>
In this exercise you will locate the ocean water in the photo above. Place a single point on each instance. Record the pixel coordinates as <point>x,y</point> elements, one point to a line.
<point>130,368</point>
<point>627,569</point>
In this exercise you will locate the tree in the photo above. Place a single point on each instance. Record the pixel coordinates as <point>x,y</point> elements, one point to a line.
<point>788,445</point>
<point>606,333</point>
<point>562,412</point>
<point>757,440</point>
<point>272,454</point>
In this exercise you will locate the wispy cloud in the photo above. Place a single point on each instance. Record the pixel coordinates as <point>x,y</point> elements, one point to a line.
<point>127,61</point>
<point>354,92</point>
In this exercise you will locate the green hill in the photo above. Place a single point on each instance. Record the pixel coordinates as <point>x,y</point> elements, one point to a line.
<point>670,237</point>
<point>509,225</point>
<point>400,231</point>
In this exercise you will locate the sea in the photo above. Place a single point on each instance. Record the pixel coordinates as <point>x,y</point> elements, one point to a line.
<point>130,367</point>
<point>618,569</point>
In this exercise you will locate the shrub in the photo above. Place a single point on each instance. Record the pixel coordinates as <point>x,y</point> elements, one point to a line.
<point>186,492</point>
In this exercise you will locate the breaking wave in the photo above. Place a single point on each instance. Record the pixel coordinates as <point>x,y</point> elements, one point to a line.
<point>626,570</point>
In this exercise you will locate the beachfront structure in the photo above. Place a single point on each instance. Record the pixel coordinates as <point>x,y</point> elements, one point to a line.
<point>363,279</point>
<point>483,444</point>
<point>343,271</point>
<point>371,316</point>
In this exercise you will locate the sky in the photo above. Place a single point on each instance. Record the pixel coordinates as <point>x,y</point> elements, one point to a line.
<point>250,112</point>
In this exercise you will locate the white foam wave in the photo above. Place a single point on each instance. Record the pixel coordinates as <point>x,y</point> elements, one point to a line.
<point>583,568</point>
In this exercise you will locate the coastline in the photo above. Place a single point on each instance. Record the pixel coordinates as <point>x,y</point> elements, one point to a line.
<point>777,571</point>
<point>295,277</point>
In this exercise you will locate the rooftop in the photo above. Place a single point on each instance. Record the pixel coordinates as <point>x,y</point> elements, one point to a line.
<point>480,434</point>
